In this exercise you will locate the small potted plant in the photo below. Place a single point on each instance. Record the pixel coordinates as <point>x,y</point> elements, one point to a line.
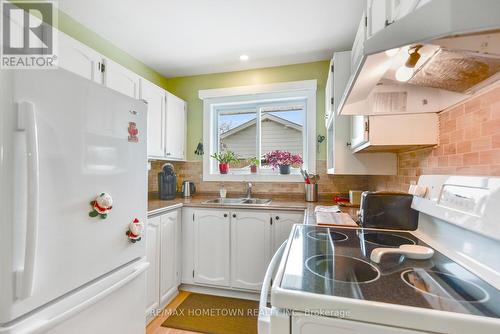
<point>283,160</point>
<point>254,163</point>
<point>224,159</point>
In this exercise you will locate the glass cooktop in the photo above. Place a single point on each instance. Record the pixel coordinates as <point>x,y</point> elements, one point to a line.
<point>337,262</point>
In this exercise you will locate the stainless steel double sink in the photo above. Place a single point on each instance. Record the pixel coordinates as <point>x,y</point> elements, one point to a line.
<point>238,201</point>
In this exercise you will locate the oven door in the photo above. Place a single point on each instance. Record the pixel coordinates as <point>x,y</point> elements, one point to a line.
<point>264,325</point>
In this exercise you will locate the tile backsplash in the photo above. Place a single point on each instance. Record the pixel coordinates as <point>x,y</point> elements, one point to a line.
<point>469,145</point>
<point>328,184</point>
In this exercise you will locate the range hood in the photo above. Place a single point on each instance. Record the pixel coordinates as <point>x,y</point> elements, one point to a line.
<point>436,56</point>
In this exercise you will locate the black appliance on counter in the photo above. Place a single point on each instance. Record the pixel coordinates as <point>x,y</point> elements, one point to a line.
<point>387,210</point>
<point>167,182</point>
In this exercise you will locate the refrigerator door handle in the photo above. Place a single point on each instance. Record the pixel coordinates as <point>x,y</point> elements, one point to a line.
<point>27,124</point>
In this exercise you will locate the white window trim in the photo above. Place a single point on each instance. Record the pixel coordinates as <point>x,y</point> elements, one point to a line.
<point>211,96</point>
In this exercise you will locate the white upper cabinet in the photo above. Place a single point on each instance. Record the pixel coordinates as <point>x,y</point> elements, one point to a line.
<point>377,16</point>
<point>211,247</point>
<point>121,79</point>
<point>341,159</point>
<point>329,110</point>
<point>250,248</point>
<point>345,131</point>
<point>394,133</point>
<point>78,58</point>
<point>357,52</point>
<point>359,130</point>
<point>338,76</point>
<point>167,114</point>
<point>156,100</point>
<point>397,9</point>
<point>175,145</point>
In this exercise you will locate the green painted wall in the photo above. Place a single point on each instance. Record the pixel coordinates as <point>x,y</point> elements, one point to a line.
<point>79,32</point>
<point>187,88</point>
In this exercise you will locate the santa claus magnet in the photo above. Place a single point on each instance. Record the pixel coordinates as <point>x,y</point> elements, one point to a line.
<point>101,206</point>
<point>135,230</point>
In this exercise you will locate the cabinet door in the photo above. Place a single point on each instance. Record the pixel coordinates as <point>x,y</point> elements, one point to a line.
<point>250,248</point>
<point>121,79</point>
<point>359,130</point>
<point>168,257</point>
<point>156,99</point>
<point>175,128</point>
<point>211,247</point>
<point>282,226</point>
<point>78,58</point>
<point>359,43</point>
<point>329,94</point>
<point>153,272</point>
<point>377,16</point>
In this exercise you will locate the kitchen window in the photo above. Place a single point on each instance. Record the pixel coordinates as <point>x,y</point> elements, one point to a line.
<point>254,120</point>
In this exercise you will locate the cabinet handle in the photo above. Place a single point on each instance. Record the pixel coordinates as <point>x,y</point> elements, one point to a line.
<point>277,218</point>
<point>225,215</point>
<point>168,153</point>
<point>234,216</point>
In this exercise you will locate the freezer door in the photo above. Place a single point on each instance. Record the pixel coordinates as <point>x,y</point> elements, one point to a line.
<point>66,140</point>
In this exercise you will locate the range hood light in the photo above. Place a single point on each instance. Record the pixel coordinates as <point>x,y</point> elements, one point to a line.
<point>404,73</point>
<point>413,57</point>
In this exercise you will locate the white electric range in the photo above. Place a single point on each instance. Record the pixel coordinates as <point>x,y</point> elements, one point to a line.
<point>325,282</point>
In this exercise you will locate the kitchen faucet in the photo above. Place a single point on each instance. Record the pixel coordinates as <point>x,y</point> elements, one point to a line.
<point>248,190</point>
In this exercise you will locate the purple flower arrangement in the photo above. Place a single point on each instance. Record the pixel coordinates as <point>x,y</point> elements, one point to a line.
<point>280,159</point>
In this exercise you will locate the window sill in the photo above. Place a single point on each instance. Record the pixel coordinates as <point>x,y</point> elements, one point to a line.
<point>234,177</point>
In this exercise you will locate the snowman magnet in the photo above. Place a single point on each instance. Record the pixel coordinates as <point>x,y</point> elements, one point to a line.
<point>101,206</point>
<point>135,230</point>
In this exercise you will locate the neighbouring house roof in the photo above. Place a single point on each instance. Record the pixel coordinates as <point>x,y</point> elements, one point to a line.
<point>252,122</point>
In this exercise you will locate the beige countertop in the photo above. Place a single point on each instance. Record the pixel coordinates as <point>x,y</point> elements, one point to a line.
<point>282,202</point>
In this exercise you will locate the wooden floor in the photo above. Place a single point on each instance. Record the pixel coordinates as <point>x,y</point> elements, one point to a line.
<point>155,327</point>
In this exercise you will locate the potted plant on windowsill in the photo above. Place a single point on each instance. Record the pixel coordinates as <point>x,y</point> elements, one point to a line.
<point>283,160</point>
<point>254,163</point>
<point>224,159</point>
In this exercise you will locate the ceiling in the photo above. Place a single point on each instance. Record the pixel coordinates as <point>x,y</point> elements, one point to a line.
<point>189,37</point>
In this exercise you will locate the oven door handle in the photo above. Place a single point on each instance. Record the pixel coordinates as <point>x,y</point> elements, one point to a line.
<point>266,285</point>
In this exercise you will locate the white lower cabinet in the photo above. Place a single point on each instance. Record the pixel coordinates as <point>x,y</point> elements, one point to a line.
<point>169,251</point>
<point>232,249</point>
<point>163,244</point>
<point>307,324</point>
<point>250,248</point>
<point>152,239</point>
<point>282,226</point>
<point>211,247</point>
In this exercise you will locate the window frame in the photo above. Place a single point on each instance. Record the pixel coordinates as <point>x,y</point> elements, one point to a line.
<point>305,90</point>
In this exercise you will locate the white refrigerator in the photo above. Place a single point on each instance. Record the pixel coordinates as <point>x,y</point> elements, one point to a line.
<point>65,267</point>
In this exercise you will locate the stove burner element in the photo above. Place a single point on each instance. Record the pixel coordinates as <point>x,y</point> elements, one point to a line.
<point>443,285</point>
<point>342,268</point>
<point>323,236</point>
<point>386,239</point>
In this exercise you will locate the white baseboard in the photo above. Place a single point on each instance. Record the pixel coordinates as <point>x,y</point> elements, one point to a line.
<point>208,290</point>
